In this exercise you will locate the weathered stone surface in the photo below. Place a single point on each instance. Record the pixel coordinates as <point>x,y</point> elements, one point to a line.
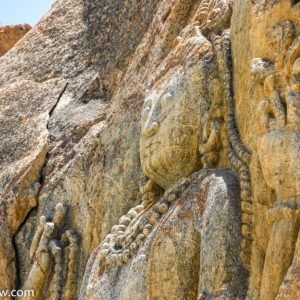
<point>290,288</point>
<point>267,108</point>
<point>9,35</point>
<point>100,94</point>
<point>201,260</point>
<point>59,60</point>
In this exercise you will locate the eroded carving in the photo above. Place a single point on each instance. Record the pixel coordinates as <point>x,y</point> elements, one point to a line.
<point>72,240</point>
<point>278,120</point>
<point>213,15</point>
<point>134,227</point>
<point>214,134</point>
<point>51,247</point>
<point>238,154</point>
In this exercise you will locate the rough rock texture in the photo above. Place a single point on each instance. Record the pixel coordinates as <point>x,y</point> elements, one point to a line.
<point>9,35</point>
<point>72,157</point>
<point>200,261</point>
<point>265,45</point>
<point>101,94</point>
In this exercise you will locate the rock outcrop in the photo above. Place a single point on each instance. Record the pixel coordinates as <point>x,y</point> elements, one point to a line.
<point>9,35</point>
<point>120,121</point>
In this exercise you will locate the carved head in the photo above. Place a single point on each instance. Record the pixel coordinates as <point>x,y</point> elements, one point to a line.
<point>175,110</point>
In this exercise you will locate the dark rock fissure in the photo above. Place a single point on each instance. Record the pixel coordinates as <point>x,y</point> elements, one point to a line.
<point>58,99</point>
<point>42,179</point>
<point>17,261</point>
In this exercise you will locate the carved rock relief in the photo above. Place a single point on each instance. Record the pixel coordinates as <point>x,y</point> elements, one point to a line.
<point>188,123</point>
<point>278,120</point>
<point>183,123</point>
<point>54,253</point>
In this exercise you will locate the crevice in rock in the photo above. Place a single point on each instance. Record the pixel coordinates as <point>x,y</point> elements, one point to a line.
<point>294,2</point>
<point>41,182</point>
<point>17,261</point>
<point>56,103</point>
<point>42,178</point>
<point>18,283</point>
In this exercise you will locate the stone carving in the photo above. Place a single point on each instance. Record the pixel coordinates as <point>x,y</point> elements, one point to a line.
<point>157,153</point>
<point>278,120</point>
<point>182,125</point>
<point>125,238</point>
<point>289,288</point>
<point>238,154</point>
<point>53,247</point>
<point>213,15</point>
<point>152,251</point>
<point>72,93</point>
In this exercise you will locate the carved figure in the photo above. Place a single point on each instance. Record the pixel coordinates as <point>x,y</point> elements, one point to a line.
<point>278,150</point>
<point>52,248</point>
<point>186,231</point>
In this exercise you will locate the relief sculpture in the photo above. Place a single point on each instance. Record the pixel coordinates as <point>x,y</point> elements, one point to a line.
<point>186,200</point>
<point>151,150</point>
<point>278,120</point>
<point>54,248</point>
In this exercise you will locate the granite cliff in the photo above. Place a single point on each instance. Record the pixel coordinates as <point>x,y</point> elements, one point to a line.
<point>150,150</point>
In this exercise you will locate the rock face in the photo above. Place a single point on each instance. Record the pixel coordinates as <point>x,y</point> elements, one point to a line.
<point>131,113</point>
<point>9,35</point>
